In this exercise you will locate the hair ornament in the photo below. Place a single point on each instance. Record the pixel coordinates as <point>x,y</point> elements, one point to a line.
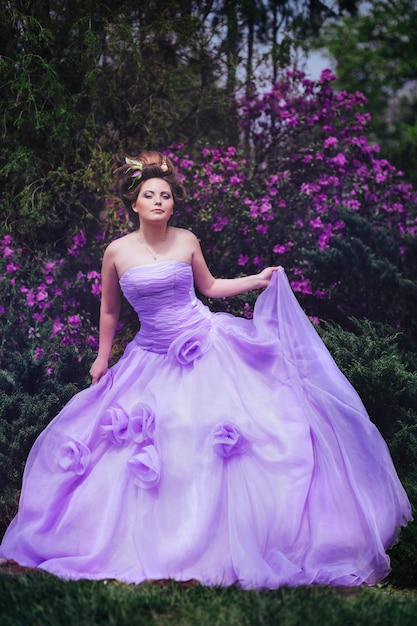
<point>164,166</point>
<point>136,167</point>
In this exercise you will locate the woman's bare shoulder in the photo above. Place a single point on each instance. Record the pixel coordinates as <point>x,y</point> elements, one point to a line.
<point>118,243</point>
<point>183,234</point>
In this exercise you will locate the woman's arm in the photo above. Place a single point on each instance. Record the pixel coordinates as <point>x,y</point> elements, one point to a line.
<point>224,287</point>
<point>109,315</point>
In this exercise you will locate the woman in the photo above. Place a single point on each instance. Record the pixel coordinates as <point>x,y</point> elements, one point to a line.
<point>152,202</point>
<point>218,449</point>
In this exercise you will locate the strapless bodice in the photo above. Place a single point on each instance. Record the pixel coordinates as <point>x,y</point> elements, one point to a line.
<point>164,298</point>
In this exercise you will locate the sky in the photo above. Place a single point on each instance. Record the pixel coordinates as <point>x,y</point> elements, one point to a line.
<point>316,62</point>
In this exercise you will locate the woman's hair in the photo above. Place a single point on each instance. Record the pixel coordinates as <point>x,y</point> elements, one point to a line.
<point>146,165</point>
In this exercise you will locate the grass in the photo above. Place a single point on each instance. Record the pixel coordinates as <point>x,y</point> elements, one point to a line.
<point>39,599</point>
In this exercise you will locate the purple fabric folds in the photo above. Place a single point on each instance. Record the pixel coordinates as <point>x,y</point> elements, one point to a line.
<point>220,449</point>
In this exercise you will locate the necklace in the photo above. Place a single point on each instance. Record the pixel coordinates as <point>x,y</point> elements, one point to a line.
<point>153,254</point>
<point>155,258</point>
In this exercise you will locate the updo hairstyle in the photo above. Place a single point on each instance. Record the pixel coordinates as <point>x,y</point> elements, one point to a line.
<point>130,178</point>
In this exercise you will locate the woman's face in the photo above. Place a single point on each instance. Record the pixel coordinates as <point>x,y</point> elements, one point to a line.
<point>155,202</point>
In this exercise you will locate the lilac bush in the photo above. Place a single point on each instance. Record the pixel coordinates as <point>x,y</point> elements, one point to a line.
<point>307,191</point>
<point>47,302</point>
<point>312,194</point>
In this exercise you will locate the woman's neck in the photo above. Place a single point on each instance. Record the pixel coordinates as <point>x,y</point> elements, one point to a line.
<point>154,234</point>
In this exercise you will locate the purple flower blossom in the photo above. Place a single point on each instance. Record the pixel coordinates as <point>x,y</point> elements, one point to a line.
<point>79,241</point>
<point>92,275</point>
<point>309,188</point>
<point>220,223</point>
<point>215,179</point>
<point>38,353</point>
<point>74,321</point>
<point>49,267</point>
<point>57,327</point>
<point>96,289</point>
<point>254,210</point>
<point>7,252</point>
<point>302,285</point>
<point>30,298</point>
<point>42,293</point>
<point>316,223</point>
<point>330,142</point>
<point>327,76</point>
<point>281,249</point>
<point>92,342</point>
<point>339,159</point>
<point>247,311</point>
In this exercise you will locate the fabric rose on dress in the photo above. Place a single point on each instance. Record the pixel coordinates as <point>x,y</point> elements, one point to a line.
<point>114,425</point>
<point>145,467</point>
<point>74,457</point>
<point>190,345</point>
<point>141,423</point>
<point>228,440</point>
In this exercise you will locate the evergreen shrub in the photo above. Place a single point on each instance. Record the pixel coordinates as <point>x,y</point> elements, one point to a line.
<point>382,366</point>
<point>29,399</point>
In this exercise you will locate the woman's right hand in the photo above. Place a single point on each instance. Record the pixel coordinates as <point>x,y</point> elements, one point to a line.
<point>98,369</point>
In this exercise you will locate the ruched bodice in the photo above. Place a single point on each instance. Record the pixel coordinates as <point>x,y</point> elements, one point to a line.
<point>164,299</point>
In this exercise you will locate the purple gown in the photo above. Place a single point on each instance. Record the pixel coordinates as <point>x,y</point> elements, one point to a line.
<point>218,449</point>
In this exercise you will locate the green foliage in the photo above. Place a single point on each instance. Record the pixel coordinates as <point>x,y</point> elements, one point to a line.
<point>381,365</point>
<point>29,399</point>
<point>404,554</point>
<point>366,270</point>
<point>77,82</point>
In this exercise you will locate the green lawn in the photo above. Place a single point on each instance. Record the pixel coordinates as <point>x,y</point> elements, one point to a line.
<point>38,599</point>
